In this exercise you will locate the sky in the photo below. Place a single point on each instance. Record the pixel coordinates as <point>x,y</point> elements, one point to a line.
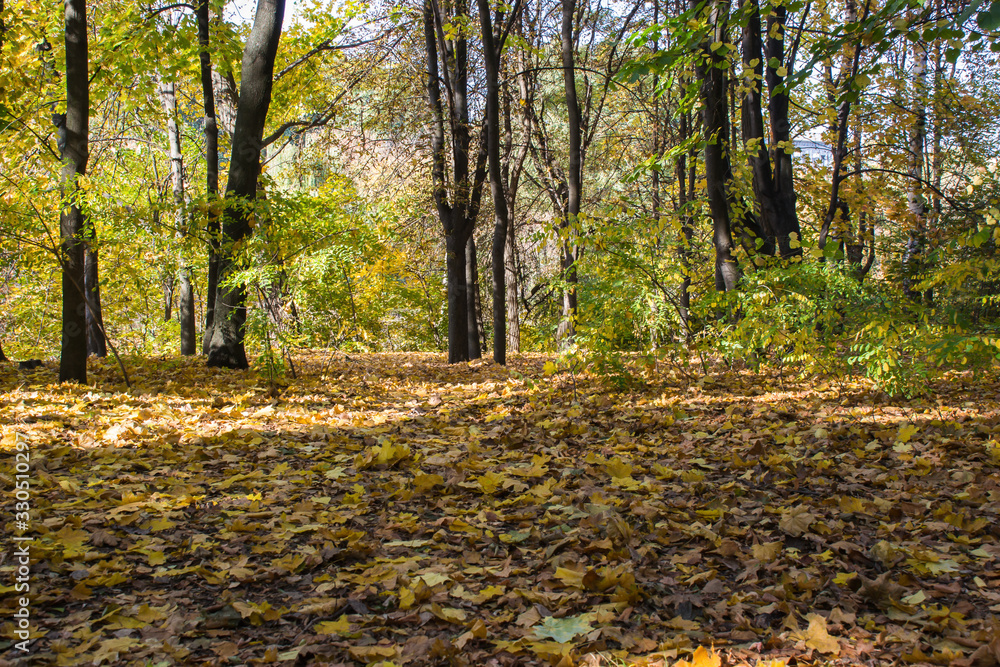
<point>241,11</point>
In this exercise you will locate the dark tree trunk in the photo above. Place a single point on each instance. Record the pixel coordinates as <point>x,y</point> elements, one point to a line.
<point>226,348</point>
<point>458,303</point>
<point>574,178</point>
<point>3,357</point>
<point>96,343</point>
<point>211,170</point>
<point>712,70</point>
<point>185,296</point>
<point>501,216</point>
<point>73,357</point>
<point>773,184</point>
<point>472,295</point>
<point>458,218</point>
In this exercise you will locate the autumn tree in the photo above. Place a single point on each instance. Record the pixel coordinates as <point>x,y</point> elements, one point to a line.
<point>457,198</point>
<point>766,68</point>
<point>226,347</point>
<point>74,127</point>
<point>211,131</point>
<point>712,69</point>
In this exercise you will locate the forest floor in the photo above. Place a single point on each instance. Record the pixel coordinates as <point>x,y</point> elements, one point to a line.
<point>393,509</point>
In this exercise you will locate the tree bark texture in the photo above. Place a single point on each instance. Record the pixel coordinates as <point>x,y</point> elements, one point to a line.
<point>574,178</point>
<point>773,185</point>
<point>457,216</point>
<point>185,296</point>
<point>491,57</point>
<point>227,348</point>
<point>472,294</point>
<point>212,226</point>
<point>97,345</point>
<point>712,70</point>
<point>73,356</point>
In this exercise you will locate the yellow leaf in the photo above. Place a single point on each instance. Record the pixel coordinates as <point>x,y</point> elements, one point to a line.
<point>766,553</point>
<point>816,636</point>
<point>490,481</point>
<point>449,614</point>
<point>339,627</point>
<point>157,525</point>
<point>906,431</point>
<point>148,614</point>
<point>702,658</point>
<point>425,482</point>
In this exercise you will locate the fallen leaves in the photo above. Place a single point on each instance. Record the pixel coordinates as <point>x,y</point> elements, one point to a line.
<point>393,509</point>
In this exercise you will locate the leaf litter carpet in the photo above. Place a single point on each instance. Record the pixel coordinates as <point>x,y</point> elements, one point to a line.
<point>391,509</point>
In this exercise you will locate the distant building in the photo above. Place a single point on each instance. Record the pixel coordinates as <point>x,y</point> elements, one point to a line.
<point>814,151</point>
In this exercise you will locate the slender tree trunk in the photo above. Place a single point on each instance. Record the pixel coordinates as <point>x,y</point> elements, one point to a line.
<point>687,229</point>
<point>774,189</point>
<point>226,348</point>
<point>96,343</point>
<point>854,244</point>
<point>513,287</point>
<point>786,222</point>
<point>915,203</point>
<point>472,295</point>
<point>73,357</point>
<point>574,178</point>
<point>458,303</point>
<point>211,169</point>
<point>500,212</point>
<point>712,71</point>
<point>849,71</point>
<point>457,218</point>
<point>3,357</point>
<point>185,297</point>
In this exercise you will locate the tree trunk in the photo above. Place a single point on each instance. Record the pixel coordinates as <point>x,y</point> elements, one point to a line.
<point>211,170</point>
<point>458,304</point>
<point>500,212</point>
<point>773,184</point>
<point>185,296</point>
<point>915,202</point>
<point>712,70</point>
<point>472,295</point>
<point>96,343</point>
<point>512,286</point>
<point>458,217</point>
<point>687,229</point>
<point>73,356</point>
<point>786,222</point>
<point>226,348</point>
<point>848,73</point>
<point>3,357</point>
<point>574,179</point>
